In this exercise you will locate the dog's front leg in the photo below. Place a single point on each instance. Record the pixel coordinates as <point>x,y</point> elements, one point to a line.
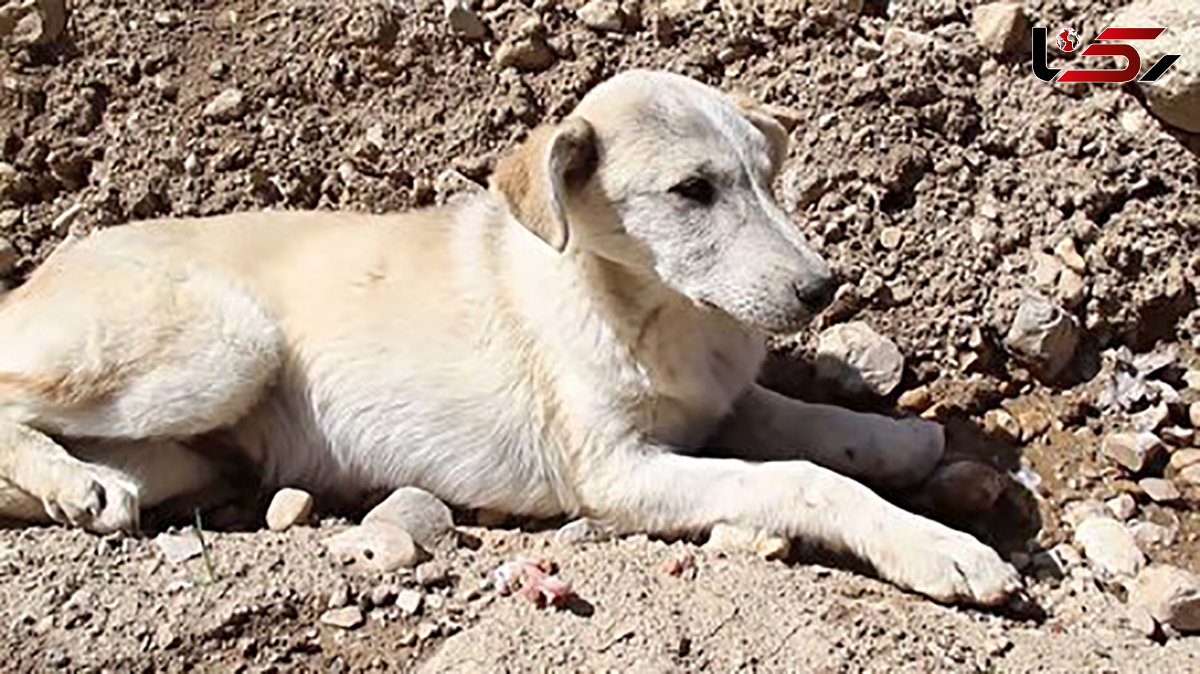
<point>653,490</point>
<point>886,452</point>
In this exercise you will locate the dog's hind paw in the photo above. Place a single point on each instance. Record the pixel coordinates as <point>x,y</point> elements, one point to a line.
<point>95,498</point>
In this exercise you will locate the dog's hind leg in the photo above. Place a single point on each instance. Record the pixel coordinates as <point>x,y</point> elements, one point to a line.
<point>106,347</point>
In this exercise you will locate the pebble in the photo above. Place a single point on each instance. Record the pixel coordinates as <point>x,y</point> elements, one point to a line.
<point>193,165</point>
<point>178,548</point>
<point>603,16</point>
<point>1076,513</point>
<point>1159,490</point>
<point>915,400</point>
<point>1109,548</point>
<point>410,601</point>
<point>433,573</point>
<point>377,547</point>
<point>427,630</point>
<point>29,23</point>
<point>1149,535</point>
<point>1184,458</point>
<point>1190,475</point>
<point>464,21</point>
<point>1194,414</point>
<point>288,507</point>
<point>1043,335</point>
<point>730,538</point>
<point>1001,27</point>
<point>859,358</point>
<point>998,422</point>
<point>1170,595</point>
<point>8,257</point>
<point>584,530</point>
<point>1131,450</point>
<point>382,595</point>
<point>1151,418</point>
<point>528,51</point>
<point>1122,507</point>
<point>1175,97</point>
<point>1069,254</point>
<point>346,618</point>
<point>228,106</point>
<point>891,237</point>
<point>1177,436</point>
<point>965,487</point>
<point>416,511</point>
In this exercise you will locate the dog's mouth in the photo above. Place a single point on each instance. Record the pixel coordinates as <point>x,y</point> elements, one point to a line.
<point>777,323</point>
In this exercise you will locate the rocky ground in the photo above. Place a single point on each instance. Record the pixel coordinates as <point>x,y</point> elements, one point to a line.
<point>1019,260</point>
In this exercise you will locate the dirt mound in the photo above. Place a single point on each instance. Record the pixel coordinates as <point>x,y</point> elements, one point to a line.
<point>946,183</point>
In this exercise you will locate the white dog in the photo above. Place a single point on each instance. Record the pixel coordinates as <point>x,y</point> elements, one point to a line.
<point>565,343</point>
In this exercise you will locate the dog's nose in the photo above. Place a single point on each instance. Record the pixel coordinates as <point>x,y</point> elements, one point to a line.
<point>817,292</point>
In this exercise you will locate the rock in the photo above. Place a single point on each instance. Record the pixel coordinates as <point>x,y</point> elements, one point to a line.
<point>193,165</point>
<point>1043,336</point>
<point>1175,98</point>
<point>1069,254</point>
<point>681,9</point>
<point>891,237</point>
<point>378,547</point>
<point>1078,512</point>
<point>427,629</point>
<point>346,618</point>
<point>584,530</point>
<point>999,423</point>
<point>8,257</point>
<point>32,22</point>
<point>433,573</point>
<point>288,507</point>
<point>416,511</point>
<point>339,596</point>
<point>451,185</point>
<point>1149,535</point>
<point>178,548</point>
<point>1194,414</point>
<point>464,21</point>
<point>1177,436</point>
<point>915,400</point>
<point>1183,459</point>
<point>410,601</point>
<point>1159,490</point>
<point>1002,27</point>
<point>1190,475</point>
<point>1192,379</point>
<point>1170,595</point>
<point>1131,450</point>
<point>1151,418</point>
<point>228,106</point>
<point>1109,547</point>
<point>859,358</point>
<point>603,15</point>
<point>528,51</point>
<point>1122,507</point>
<point>965,487</point>
<point>730,538</point>
<point>382,595</point>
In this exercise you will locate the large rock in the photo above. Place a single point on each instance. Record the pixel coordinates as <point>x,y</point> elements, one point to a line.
<point>1002,27</point>
<point>417,512</point>
<point>859,358</point>
<point>1176,97</point>
<point>1109,547</point>
<point>1043,336</point>
<point>289,507</point>
<point>1171,596</point>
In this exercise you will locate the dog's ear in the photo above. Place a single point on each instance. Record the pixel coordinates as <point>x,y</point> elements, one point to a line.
<point>539,176</point>
<point>761,117</point>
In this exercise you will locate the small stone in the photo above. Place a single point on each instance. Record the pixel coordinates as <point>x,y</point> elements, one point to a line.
<point>1141,620</point>
<point>859,358</point>
<point>228,106</point>
<point>891,237</point>
<point>1077,512</point>
<point>1151,418</point>
<point>603,16</point>
<point>1109,547</point>
<point>1192,379</point>
<point>1149,535</point>
<point>1183,459</point>
<point>346,618</point>
<point>1176,97</point>
<point>339,596</point>
<point>1158,489</point>
<point>1170,595</point>
<point>178,548</point>
<point>382,595</point>
<point>1001,27</point>
<point>416,511</point>
<point>1131,450</point>
<point>433,573</point>
<point>193,165</point>
<point>8,257</point>
<point>965,487</point>
<point>29,23</point>
<point>584,530</point>
<point>1043,336</point>
<point>1177,436</point>
<point>730,538</point>
<point>915,400</point>
<point>528,50</point>
<point>410,601</point>
<point>1122,507</point>
<point>427,630</point>
<point>1190,475</point>
<point>289,507</point>
<point>378,547</point>
<point>1070,256</point>
<point>464,21</point>
<point>1194,414</point>
<point>998,422</point>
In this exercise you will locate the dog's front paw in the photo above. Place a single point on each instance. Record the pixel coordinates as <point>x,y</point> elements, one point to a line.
<point>95,498</point>
<point>904,454</point>
<point>946,565</point>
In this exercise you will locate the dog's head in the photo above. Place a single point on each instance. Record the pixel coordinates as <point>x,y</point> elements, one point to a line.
<point>671,178</point>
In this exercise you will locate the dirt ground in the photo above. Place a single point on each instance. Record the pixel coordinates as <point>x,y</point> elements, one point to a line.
<point>901,121</point>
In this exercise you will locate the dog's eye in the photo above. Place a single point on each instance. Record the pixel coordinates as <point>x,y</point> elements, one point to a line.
<point>699,190</point>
